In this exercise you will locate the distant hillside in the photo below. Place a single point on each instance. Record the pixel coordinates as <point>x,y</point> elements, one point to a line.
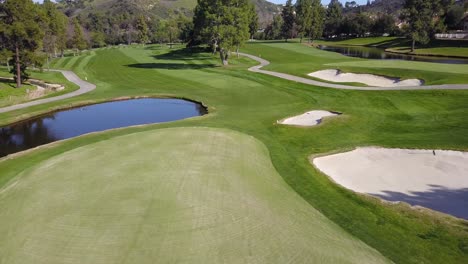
<point>163,8</point>
<point>386,6</point>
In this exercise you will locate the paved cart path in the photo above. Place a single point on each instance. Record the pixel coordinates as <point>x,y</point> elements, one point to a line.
<point>85,87</point>
<point>294,78</point>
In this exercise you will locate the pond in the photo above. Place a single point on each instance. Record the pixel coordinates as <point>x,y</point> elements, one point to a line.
<point>380,54</point>
<point>92,118</point>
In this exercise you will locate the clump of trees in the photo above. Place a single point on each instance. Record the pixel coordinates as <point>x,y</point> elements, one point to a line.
<point>223,24</point>
<point>425,18</point>
<point>417,19</point>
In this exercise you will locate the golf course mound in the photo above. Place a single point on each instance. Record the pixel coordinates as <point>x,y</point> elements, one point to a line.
<point>367,79</point>
<point>180,195</point>
<point>307,119</point>
<point>436,179</point>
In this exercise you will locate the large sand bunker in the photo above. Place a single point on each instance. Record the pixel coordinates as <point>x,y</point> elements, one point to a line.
<point>368,79</point>
<point>308,119</point>
<point>418,177</point>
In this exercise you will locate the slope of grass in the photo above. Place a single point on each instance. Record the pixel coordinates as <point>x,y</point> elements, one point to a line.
<point>9,95</point>
<point>251,103</point>
<point>210,196</point>
<point>297,59</point>
<point>444,48</point>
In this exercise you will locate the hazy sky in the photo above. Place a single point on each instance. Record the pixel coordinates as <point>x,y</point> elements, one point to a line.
<point>284,1</point>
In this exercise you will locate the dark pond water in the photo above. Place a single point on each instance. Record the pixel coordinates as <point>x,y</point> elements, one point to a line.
<point>78,121</point>
<point>380,54</point>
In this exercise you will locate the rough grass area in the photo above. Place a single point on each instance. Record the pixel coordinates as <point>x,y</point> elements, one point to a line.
<point>193,195</point>
<point>298,59</point>
<point>9,95</point>
<point>251,103</point>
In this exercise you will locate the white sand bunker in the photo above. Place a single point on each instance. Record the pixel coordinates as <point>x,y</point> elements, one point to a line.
<point>418,177</point>
<point>311,118</point>
<point>368,79</point>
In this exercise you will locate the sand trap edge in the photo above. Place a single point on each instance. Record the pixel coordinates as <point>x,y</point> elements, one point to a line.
<point>317,121</point>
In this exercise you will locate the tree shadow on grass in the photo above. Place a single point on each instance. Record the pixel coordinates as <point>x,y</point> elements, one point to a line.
<point>186,54</point>
<point>439,198</point>
<point>171,66</point>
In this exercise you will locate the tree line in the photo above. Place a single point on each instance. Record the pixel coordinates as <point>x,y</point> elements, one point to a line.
<point>419,20</point>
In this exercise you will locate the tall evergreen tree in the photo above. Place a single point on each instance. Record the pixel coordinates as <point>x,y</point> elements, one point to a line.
<point>334,18</point>
<point>20,33</point>
<point>78,40</point>
<point>317,20</point>
<point>303,17</point>
<point>253,25</point>
<point>55,29</point>
<point>289,21</point>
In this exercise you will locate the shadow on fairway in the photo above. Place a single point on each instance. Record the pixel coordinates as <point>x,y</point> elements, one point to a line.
<point>186,54</point>
<point>439,198</point>
<point>171,66</point>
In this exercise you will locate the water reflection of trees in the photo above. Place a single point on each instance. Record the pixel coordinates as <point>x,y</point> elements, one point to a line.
<point>25,135</point>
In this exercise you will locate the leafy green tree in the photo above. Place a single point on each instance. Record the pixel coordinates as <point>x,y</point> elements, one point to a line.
<point>253,25</point>
<point>385,24</point>
<point>454,16</point>
<point>273,30</point>
<point>55,29</point>
<point>224,24</point>
<point>424,18</point>
<point>317,20</point>
<point>288,30</point>
<point>142,28</point>
<point>20,33</point>
<point>98,39</point>
<point>303,17</point>
<point>78,41</point>
<point>334,18</point>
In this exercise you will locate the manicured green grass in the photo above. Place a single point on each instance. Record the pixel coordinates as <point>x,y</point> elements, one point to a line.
<point>9,95</point>
<point>251,103</point>
<point>195,195</point>
<point>297,59</point>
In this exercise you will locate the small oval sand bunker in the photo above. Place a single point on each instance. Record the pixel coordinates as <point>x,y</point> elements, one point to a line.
<point>433,179</point>
<point>311,118</point>
<point>368,79</point>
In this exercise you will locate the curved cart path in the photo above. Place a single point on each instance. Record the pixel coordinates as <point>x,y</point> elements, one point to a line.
<point>294,78</point>
<point>85,87</point>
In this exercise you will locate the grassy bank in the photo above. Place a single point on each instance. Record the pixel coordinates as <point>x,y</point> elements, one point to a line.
<point>298,59</point>
<point>443,48</point>
<point>10,95</point>
<point>251,103</point>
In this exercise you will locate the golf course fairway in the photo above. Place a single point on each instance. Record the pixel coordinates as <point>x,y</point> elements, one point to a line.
<point>176,195</point>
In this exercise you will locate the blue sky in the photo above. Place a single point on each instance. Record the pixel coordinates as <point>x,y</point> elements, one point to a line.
<point>284,1</point>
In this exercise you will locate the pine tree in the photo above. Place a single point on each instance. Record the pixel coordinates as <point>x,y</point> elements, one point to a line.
<point>317,20</point>
<point>303,17</point>
<point>289,21</point>
<point>334,18</point>
<point>78,41</point>
<point>20,33</point>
